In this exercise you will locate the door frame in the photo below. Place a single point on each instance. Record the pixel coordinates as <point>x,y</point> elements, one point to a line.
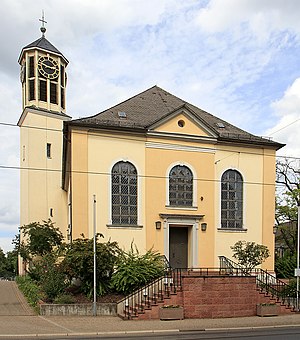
<point>190,221</point>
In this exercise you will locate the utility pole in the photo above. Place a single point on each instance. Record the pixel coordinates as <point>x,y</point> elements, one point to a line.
<point>298,258</point>
<point>95,266</point>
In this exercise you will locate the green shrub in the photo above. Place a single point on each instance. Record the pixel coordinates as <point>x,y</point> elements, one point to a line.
<point>53,283</point>
<point>48,276</point>
<point>64,299</point>
<point>134,270</point>
<point>78,263</point>
<point>249,254</point>
<point>30,289</point>
<point>285,266</point>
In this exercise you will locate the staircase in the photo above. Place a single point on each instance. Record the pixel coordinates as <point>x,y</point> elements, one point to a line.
<point>268,284</point>
<point>144,303</point>
<point>159,292</point>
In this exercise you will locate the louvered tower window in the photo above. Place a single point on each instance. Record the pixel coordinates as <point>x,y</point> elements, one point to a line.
<point>31,89</point>
<point>124,194</point>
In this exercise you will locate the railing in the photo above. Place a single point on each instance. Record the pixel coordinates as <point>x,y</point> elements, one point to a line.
<point>230,267</point>
<point>267,282</point>
<point>166,262</point>
<point>149,295</point>
<point>171,282</point>
<point>161,288</point>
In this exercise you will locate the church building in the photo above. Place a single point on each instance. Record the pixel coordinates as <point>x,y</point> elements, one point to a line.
<point>154,170</point>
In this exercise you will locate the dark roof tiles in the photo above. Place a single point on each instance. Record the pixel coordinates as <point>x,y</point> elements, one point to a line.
<point>42,44</point>
<point>154,104</point>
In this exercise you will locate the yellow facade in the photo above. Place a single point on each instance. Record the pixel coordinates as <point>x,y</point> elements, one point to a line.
<point>40,176</point>
<point>95,152</point>
<point>73,186</point>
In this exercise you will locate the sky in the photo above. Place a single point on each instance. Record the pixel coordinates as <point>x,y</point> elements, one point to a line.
<point>237,59</point>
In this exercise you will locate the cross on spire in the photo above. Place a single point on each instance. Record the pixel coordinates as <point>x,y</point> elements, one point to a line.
<point>43,28</point>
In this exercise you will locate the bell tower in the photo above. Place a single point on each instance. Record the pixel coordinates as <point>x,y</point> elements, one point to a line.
<point>43,75</point>
<point>44,79</point>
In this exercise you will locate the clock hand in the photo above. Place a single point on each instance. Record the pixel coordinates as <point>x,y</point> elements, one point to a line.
<point>48,66</point>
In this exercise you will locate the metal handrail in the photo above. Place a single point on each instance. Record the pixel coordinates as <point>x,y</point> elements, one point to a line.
<point>155,292</point>
<point>266,282</point>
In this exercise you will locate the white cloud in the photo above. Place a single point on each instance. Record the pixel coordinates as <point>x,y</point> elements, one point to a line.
<point>286,130</point>
<point>232,58</point>
<point>260,16</point>
<point>6,244</point>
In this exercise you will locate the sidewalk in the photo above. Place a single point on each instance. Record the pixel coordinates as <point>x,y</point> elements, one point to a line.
<point>12,301</point>
<point>38,325</point>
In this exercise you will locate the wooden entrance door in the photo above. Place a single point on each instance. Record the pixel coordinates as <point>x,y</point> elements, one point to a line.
<point>178,247</point>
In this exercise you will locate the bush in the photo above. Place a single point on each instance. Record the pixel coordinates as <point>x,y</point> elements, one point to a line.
<point>134,270</point>
<point>48,276</point>
<point>285,266</point>
<point>53,283</point>
<point>30,289</point>
<point>64,299</point>
<point>249,254</point>
<point>78,263</point>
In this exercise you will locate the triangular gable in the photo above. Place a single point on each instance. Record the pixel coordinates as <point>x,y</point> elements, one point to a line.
<point>182,121</point>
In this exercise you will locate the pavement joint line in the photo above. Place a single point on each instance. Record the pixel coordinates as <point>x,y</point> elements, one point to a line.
<point>56,324</point>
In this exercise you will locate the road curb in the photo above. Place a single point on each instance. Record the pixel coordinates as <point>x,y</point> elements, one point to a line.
<point>153,331</point>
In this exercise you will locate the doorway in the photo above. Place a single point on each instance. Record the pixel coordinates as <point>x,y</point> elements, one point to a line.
<point>178,247</point>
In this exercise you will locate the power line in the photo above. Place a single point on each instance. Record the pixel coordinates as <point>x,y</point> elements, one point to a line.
<point>135,139</point>
<point>285,127</point>
<point>139,176</point>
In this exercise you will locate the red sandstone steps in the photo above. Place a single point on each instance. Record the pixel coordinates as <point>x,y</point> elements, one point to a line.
<point>212,297</point>
<point>148,305</point>
<point>267,298</point>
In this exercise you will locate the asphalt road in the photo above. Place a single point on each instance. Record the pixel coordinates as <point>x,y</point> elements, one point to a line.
<point>12,302</point>
<point>286,333</point>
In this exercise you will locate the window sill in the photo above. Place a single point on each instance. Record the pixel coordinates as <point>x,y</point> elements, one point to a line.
<point>183,207</point>
<point>233,230</point>
<point>124,226</point>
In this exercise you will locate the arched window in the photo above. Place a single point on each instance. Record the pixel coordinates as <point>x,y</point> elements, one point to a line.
<point>232,200</point>
<point>181,186</point>
<point>124,193</point>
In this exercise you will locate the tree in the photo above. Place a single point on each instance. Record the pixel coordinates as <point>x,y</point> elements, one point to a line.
<point>38,239</point>
<point>12,262</point>
<point>78,263</point>
<point>249,254</point>
<point>2,263</point>
<point>287,201</point>
<point>8,263</point>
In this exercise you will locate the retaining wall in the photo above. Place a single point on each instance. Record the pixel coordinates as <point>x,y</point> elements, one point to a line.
<point>85,309</point>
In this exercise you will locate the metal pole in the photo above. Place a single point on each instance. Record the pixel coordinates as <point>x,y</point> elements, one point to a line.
<point>298,249</point>
<point>95,267</point>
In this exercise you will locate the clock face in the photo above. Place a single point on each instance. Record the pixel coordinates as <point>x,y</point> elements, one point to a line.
<point>48,67</point>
